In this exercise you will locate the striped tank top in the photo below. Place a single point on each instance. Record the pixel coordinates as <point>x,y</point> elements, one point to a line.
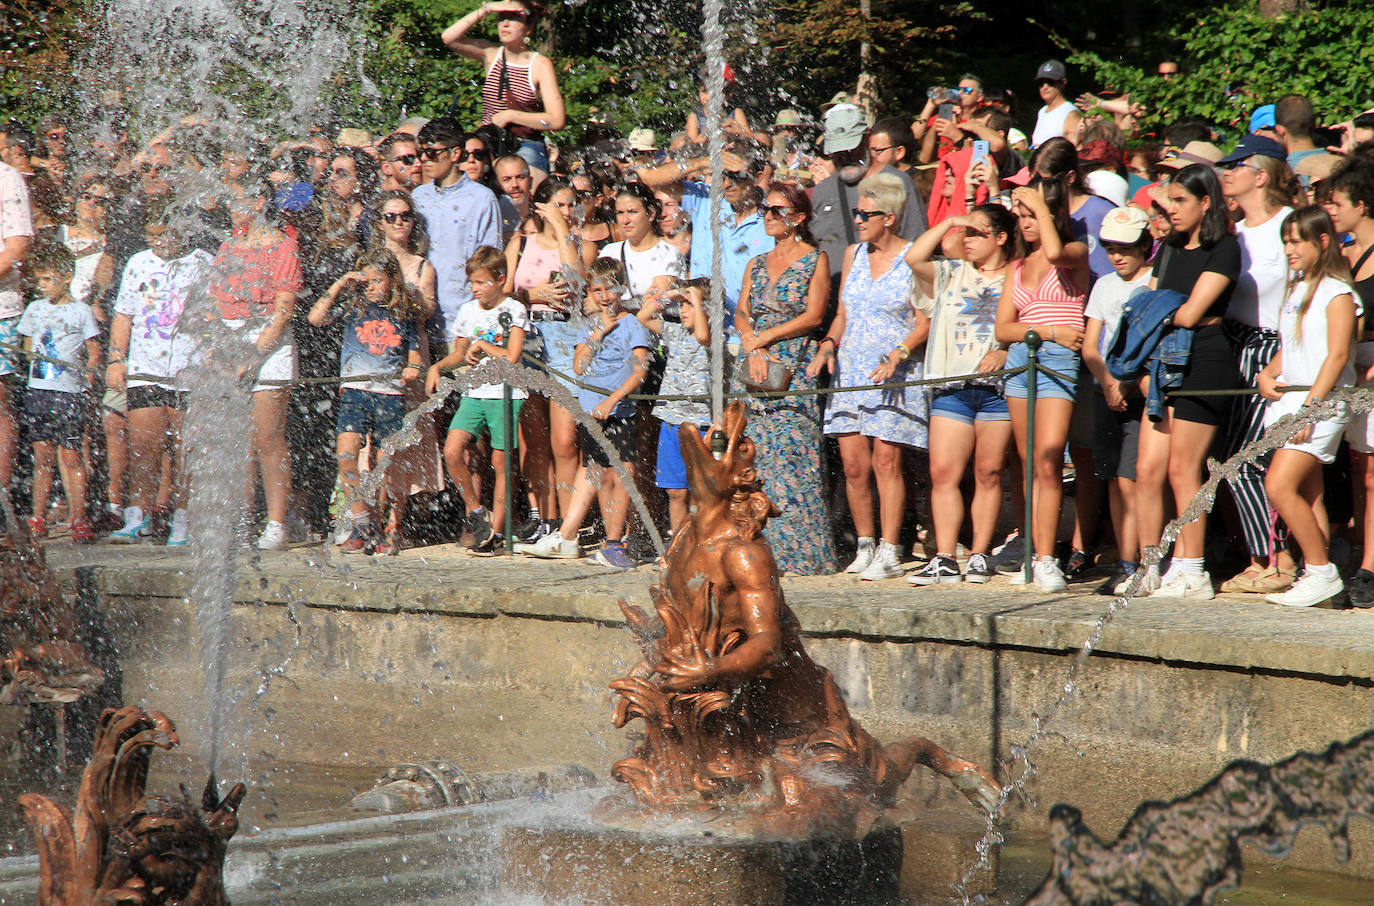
<point>509,87</point>
<point>1057,301</point>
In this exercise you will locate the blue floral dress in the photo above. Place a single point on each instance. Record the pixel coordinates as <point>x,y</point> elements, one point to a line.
<point>787,430</point>
<point>878,314</point>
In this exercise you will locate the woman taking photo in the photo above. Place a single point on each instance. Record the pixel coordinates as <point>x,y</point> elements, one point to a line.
<point>538,257</point>
<point>1352,209</point>
<point>1256,178</point>
<point>420,466</point>
<point>1200,260</point>
<point>960,295</point>
<point>520,92</point>
<point>781,304</point>
<point>1046,293</point>
<point>258,278</point>
<point>871,341</point>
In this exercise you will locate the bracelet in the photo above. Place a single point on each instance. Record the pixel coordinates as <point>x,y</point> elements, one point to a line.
<point>906,353</point>
<point>831,340</point>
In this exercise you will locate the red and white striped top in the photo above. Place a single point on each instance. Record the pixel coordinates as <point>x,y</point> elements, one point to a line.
<point>1056,302</point>
<point>510,87</point>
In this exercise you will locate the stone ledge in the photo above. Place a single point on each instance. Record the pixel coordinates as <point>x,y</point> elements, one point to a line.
<point>1235,633</point>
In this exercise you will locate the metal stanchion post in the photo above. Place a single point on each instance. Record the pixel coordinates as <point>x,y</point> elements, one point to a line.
<point>512,450</point>
<point>1032,372</point>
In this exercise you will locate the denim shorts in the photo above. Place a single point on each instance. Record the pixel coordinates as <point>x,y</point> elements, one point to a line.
<point>534,153</point>
<point>363,412</point>
<point>1057,358</point>
<point>970,403</point>
<point>557,341</point>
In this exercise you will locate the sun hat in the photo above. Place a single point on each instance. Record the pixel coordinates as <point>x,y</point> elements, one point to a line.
<point>1191,153</point>
<point>787,118</point>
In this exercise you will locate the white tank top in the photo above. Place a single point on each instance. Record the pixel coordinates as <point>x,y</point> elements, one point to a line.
<point>1049,123</point>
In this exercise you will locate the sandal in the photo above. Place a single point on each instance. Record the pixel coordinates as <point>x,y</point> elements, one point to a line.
<point>392,539</point>
<point>1243,582</point>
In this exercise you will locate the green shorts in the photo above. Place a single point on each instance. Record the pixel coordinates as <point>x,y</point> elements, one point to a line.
<point>475,414</point>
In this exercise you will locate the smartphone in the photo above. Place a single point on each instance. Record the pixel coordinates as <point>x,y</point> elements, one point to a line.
<point>980,153</point>
<point>946,112</point>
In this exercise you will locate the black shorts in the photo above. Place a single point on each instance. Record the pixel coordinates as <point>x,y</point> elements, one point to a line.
<point>56,417</point>
<point>620,432</point>
<point>1116,437</point>
<point>151,396</point>
<point>1211,366</point>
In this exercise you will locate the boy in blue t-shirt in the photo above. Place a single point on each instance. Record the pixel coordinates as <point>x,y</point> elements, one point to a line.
<point>613,357</point>
<point>62,332</point>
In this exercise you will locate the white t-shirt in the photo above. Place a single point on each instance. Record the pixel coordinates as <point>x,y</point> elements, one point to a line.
<point>1106,301</point>
<point>963,318</point>
<point>59,332</point>
<point>642,267</point>
<point>1304,354</point>
<point>16,219</point>
<point>1258,293</point>
<point>153,293</point>
<point>1050,123</point>
<point>474,322</point>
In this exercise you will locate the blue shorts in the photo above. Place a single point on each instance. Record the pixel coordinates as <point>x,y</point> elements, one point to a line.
<point>970,403</point>
<point>556,343</point>
<point>10,352</point>
<point>363,412</point>
<point>534,153</point>
<point>1054,357</point>
<point>672,471</point>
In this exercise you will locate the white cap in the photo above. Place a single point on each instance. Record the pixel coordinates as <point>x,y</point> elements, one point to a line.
<point>1108,185</point>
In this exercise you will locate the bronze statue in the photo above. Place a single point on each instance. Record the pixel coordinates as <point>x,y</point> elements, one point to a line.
<point>41,657</point>
<point>736,714</point>
<point>122,847</point>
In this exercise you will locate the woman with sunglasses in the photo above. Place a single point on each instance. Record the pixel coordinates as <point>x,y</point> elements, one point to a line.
<point>520,92</point>
<point>541,258</point>
<point>1256,178</point>
<point>475,161</point>
<point>397,225</point>
<point>872,340</point>
<point>781,304</point>
<point>597,224</point>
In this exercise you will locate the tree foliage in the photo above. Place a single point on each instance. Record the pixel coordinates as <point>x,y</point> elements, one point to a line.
<point>36,41</point>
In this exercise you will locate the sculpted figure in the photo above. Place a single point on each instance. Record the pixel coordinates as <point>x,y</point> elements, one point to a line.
<point>121,847</point>
<point>734,708</point>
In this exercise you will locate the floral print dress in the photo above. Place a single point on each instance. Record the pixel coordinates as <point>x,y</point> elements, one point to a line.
<point>787,430</point>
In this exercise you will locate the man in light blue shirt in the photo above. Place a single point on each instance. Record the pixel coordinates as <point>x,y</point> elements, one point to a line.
<point>460,217</point>
<point>742,233</point>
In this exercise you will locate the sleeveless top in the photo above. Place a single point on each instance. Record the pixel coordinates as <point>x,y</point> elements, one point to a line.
<point>1049,123</point>
<point>534,266</point>
<point>509,87</point>
<point>1055,302</point>
<point>1364,288</point>
<point>87,253</point>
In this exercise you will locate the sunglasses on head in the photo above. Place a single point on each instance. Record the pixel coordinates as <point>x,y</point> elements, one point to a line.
<point>481,154</point>
<point>866,216</point>
<point>433,151</point>
<point>398,216</point>
<point>405,159</point>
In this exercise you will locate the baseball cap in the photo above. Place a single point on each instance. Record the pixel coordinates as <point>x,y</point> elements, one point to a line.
<point>1250,145</point>
<point>1021,177</point>
<point>844,128</point>
<point>1108,185</point>
<point>1052,70</point>
<point>1263,118</point>
<point>787,118</point>
<point>642,140</point>
<point>1191,153</point>
<point>839,97</point>
<point>1123,225</point>
<point>1016,136</point>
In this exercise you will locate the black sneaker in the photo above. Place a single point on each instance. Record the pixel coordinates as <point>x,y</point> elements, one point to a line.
<point>528,530</point>
<point>938,571</point>
<point>493,545</point>
<point>479,526</point>
<point>1110,584</point>
<point>977,569</point>
<point>1361,589</point>
<point>1007,561</point>
<point>1077,565</point>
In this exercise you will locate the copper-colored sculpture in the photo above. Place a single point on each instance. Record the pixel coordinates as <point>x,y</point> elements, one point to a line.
<point>735,711</point>
<point>122,847</point>
<point>41,656</point>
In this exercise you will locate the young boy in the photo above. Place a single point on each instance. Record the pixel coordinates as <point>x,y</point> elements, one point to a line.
<point>58,329</point>
<point>1126,239</point>
<point>680,319</point>
<point>614,357</point>
<point>480,333</point>
<point>148,338</point>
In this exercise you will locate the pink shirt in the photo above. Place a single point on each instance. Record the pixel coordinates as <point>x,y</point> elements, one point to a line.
<point>16,219</point>
<point>1055,302</point>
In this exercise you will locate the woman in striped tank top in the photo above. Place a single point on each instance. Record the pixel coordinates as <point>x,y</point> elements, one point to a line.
<point>1048,289</point>
<point>521,90</point>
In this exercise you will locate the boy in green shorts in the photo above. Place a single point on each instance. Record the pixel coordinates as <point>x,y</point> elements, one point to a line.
<point>481,333</point>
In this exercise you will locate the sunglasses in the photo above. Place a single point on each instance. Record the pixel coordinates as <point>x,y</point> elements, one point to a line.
<point>405,159</point>
<point>340,173</point>
<point>56,136</point>
<point>873,150</point>
<point>965,89</point>
<point>511,16</point>
<point>481,154</point>
<point>399,216</point>
<point>1230,168</point>
<point>96,199</point>
<point>433,151</point>
<point>779,211</point>
<point>738,175</point>
<point>866,216</point>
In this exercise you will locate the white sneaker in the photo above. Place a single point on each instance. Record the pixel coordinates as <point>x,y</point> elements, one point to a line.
<point>1047,575</point>
<point>273,537</point>
<point>863,557</point>
<point>886,564</point>
<point>1149,583</point>
<point>1310,589</point>
<point>1194,586</point>
<point>133,526</point>
<point>552,546</point>
<point>181,529</point>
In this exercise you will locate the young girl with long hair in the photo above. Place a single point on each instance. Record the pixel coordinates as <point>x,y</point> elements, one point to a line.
<point>1316,334</point>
